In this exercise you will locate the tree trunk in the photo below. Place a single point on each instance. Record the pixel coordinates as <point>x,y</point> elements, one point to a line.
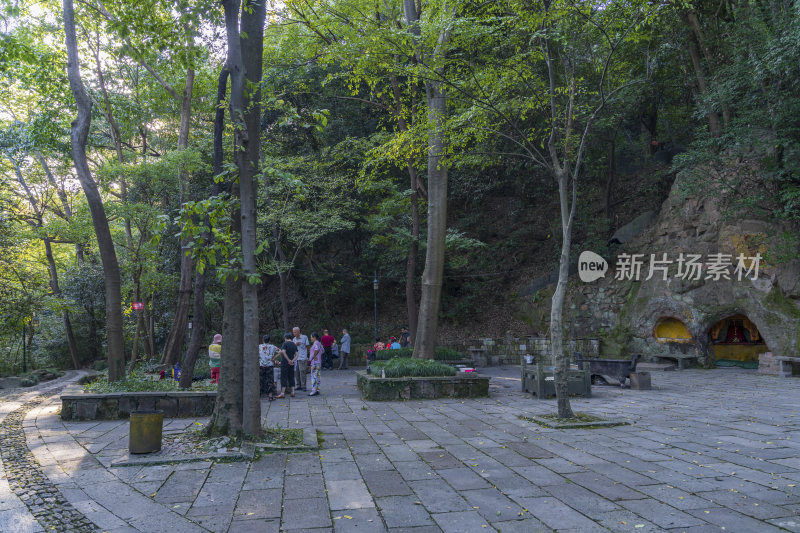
<point>117,139</point>
<point>48,251</point>
<point>560,358</point>
<point>67,214</point>
<point>78,137</point>
<point>136,337</point>
<point>431,294</point>
<point>252,47</point>
<point>227,416</point>
<point>93,340</point>
<point>430,300</point>
<point>198,331</point>
<point>282,279</point>
<point>413,254</point>
<point>413,247</point>
<point>177,333</point>
<point>51,263</point>
<point>199,324</point>
<point>694,24</point>
<point>612,171</point>
<point>149,335</point>
<point>713,119</point>
<point>239,411</point>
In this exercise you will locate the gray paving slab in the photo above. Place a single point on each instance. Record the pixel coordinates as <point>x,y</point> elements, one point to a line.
<point>678,467</point>
<point>463,478</point>
<point>386,483</point>
<point>664,515</point>
<point>556,514</point>
<point>523,525</point>
<point>302,486</point>
<point>403,511</point>
<point>366,520</point>
<point>349,494</point>
<point>306,514</point>
<point>741,503</point>
<point>492,504</point>
<point>461,522</point>
<point>732,521</point>
<point>258,504</point>
<point>19,520</point>
<point>255,526</point>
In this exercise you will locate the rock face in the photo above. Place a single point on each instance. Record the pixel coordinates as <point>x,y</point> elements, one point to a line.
<point>625,313</point>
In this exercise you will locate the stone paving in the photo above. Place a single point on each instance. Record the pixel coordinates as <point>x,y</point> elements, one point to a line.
<point>28,499</point>
<point>707,450</point>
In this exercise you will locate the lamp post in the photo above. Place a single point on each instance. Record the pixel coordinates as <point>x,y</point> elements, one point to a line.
<point>34,323</point>
<point>24,353</point>
<point>375,291</point>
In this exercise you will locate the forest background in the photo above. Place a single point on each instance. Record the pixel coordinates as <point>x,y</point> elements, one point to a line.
<point>652,87</point>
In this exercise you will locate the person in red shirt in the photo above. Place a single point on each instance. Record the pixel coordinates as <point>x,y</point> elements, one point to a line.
<point>327,341</point>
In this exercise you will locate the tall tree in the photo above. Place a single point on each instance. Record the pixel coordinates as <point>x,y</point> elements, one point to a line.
<point>141,26</point>
<point>78,137</point>
<point>436,101</point>
<point>245,40</point>
<point>198,307</point>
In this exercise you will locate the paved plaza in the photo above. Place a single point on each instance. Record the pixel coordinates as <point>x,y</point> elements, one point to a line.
<point>706,450</point>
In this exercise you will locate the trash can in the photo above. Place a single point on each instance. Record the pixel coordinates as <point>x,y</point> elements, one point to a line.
<point>145,431</point>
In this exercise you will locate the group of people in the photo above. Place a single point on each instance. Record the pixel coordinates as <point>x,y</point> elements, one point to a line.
<point>289,364</point>
<point>395,343</point>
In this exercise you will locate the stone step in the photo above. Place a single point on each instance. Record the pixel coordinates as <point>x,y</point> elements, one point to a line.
<point>655,367</point>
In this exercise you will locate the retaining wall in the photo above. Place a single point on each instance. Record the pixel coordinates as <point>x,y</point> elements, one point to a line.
<point>413,388</point>
<point>115,405</point>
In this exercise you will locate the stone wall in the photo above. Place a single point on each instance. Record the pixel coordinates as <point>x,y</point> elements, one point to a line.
<point>115,405</point>
<point>624,313</point>
<point>498,351</point>
<point>768,365</point>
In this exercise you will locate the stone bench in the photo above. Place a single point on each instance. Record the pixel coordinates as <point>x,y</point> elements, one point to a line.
<point>541,382</point>
<point>786,363</point>
<point>619,369</point>
<point>679,358</point>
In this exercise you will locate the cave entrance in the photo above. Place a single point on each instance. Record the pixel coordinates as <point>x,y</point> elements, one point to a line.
<point>736,341</point>
<point>672,330</point>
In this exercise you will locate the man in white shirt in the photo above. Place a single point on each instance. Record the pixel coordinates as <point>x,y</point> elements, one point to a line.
<point>301,341</point>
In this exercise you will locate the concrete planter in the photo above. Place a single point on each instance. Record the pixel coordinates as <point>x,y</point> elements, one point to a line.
<point>463,385</point>
<point>116,405</point>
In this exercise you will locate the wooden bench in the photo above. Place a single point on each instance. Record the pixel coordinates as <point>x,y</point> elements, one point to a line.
<point>679,358</point>
<point>619,369</point>
<point>539,381</point>
<point>786,365</point>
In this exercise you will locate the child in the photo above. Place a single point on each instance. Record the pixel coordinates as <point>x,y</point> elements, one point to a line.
<point>266,362</point>
<point>214,357</point>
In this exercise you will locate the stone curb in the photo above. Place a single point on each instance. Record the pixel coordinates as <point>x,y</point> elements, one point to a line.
<point>546,422</point>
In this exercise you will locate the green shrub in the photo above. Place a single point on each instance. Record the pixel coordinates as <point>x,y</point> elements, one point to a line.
<point>138,382</point>
<point>447,354</point>
<point>201,368</point>
<point>401,367</point>
<point>385,355</point>
<point>29,380</point>
<point>441,354</point>
<point>100,365</point>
